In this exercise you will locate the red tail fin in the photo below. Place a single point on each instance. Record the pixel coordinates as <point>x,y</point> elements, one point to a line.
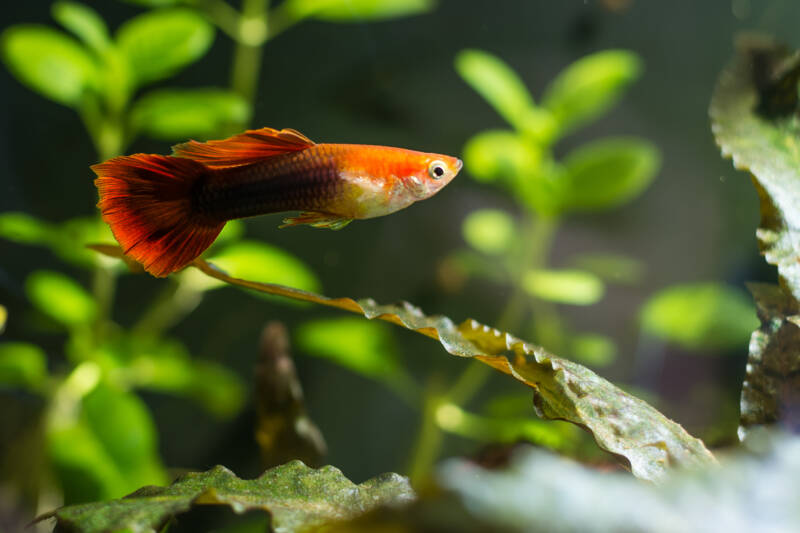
<point>147,201</point>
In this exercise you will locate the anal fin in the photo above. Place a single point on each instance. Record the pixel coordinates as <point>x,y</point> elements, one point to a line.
<point>317,220</point>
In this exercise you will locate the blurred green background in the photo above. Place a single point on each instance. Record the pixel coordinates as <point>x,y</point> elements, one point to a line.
<point>661,326</point>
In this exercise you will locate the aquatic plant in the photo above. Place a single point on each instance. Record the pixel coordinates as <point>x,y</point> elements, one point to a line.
<point>101,440</point>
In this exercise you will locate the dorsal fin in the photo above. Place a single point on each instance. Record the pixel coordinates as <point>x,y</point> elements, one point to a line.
<point>243,149</point>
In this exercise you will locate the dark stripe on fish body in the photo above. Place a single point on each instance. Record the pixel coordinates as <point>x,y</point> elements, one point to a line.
<point>302,181</point>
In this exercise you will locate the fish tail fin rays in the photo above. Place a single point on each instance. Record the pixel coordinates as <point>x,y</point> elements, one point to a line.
<point>243,149</point>
<point>147,201</point>
<point>317,220</point>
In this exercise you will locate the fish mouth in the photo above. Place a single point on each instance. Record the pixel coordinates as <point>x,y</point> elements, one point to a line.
<point>459,164</point>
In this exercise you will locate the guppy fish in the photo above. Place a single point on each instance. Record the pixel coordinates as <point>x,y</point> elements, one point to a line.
<point>166,210</point>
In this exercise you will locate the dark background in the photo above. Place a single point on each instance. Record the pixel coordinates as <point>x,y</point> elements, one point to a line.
<point>393,83</point>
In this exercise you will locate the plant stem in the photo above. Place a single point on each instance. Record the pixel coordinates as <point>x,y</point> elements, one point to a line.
<point>252,34</point>
<point>429,437</point>
<point>537,241</point>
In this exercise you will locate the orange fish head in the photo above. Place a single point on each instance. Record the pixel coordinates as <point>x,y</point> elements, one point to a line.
<point>430,174</point>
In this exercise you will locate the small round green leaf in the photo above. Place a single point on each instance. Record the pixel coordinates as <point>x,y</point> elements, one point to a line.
<point>160,43</point>
<point>608,173</point>
<point>60,298</point>
<point>364,347</point>
<point>593,349</point>
<point>700,316</point>
<point>22,364</point>
<point>354,10</point>
<point>490,231</point>
<point>25,229</point>
<point>497,83</point>
<point>590,86</point>
<point>49,62</point>
<point>611,267</point>
<point>173,114</point>
<point>84,22</point>
<point>501,155</point>
<point>574,287</point>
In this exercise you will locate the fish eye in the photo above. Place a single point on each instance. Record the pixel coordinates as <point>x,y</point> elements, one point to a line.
<point>436,169</point>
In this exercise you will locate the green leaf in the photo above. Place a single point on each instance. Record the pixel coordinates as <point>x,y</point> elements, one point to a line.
<point>23,228</point>
<point>700,316</point>
<point>614,268</point>
<point>21,364</point>
<point>3,318</point>
<point>84,22</point>
<point>122,425</point>
<point>499,155</point>
<point>84,468</point>
<point>354,10</point>
<point>366,348</point>
<point>497,83</point>
<point>172,114</point>
<point>563,390</point>
<point>60,297</point>
<point>754,122</point>
<point>564,286</point>
<point>297,498</point>
<point>69,241</point>
<point>770,386</point>
<point>593,349</point>
<point>155,3</point>
<point>49,62</point>
<point>160,43</point>
<point>608,173</point>
<point>260,262</point>
<point>490,231</point>
<point>590,86</point>
<point>456,420</point>
<point>165,365</point>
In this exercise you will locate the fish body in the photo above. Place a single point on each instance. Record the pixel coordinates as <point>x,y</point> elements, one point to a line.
<point>166,210</point>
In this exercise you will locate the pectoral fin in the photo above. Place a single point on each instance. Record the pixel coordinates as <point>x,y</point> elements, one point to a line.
<point>317,220</point>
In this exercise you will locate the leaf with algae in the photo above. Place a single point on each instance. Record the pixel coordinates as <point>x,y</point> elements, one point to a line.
<point>298,498</point>
<point>755,122</point>
<point>621,424</point>
<point>754,116</point>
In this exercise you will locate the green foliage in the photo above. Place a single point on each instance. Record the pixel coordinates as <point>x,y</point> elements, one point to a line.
<point>490,231</point>
<point>610,267</point>
<point>366,348</point>
<point>173,114</point>
<point>700,316</point>
<point>354,10</point>
<point>21,364</point>
<point>593,349</point>
<point>160,43</point>
<point>608,173</point>
<point>564,286</point>
<point>753,116</point>
<point>49,62</point>
<point>61,298</point>
<point>590,86</point>
<point>498,155</point>
<point>765,146</point>
<point>297,498</point>
<point>498,84</point>
<point>258,261</point>
<point>84,22</point>
<point>562,390</point>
